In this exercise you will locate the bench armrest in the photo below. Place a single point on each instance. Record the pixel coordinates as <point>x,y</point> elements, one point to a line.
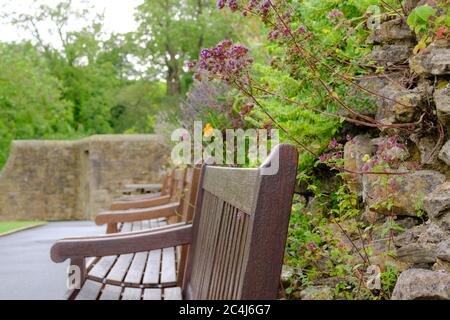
<point>118,216</point>
<point>124,243</point>
<point>140,203</point>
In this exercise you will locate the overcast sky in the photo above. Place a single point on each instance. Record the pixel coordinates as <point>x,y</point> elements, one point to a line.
<point>118,16</point>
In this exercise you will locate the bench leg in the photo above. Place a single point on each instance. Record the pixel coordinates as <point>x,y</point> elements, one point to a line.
<point>111,228</point>
<point>173,220</point>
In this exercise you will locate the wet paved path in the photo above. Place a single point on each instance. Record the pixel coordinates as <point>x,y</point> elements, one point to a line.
<point>26,271</point>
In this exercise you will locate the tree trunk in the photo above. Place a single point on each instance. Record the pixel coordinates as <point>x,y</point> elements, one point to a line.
<point>173,81</point>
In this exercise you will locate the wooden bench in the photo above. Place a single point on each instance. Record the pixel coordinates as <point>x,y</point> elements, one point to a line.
<point>171,190</point>
<point>139,190</point>
<point>166,261</point>
<point>234,247</point>
<point>163,206</point>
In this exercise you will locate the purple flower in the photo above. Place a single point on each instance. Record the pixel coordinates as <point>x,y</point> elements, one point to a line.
<point>334,14</point>
<point>232,4</point>
<point>221,3</point>
<point>191,64</point>
<point>333,144</point>
<point>247,109</point>
<point>300,30</point>
<point>331,156</point>
<point>311,246</point>
<point>227,61</point>
<point>253,4</point>
<point>341,245</point>
<point>286,31</point>
<point>325,157</point>
<point>274,35</point>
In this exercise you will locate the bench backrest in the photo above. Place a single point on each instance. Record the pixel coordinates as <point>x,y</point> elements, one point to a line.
<point>177,184</point>
<point>240,228</point>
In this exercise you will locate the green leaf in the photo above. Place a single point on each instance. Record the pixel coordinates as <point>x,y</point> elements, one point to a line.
<point>420,16</point>
<point>425,12</point>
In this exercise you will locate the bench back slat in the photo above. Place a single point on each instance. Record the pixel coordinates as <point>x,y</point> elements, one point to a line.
<point>177,184</point>
<point>235,186</point>
<point>240,228</point>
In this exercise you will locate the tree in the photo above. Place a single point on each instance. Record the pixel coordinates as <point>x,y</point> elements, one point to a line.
<point>31,106</point>
<point>89,67</point>
<point>172,32</point>
<point>136,106</point>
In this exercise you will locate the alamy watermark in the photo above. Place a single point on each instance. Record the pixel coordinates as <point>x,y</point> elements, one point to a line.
<point>374,20</point>
<point>235,147</point>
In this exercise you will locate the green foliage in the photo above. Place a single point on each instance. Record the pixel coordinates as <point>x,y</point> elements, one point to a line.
<point>389,279</point>
<point>136,105</point>
<point>87,84</point>
<point>172,32</point>
<point>31,106</point>
<point>419,18</point>
<point>311,128</point>
<point>321,245</point>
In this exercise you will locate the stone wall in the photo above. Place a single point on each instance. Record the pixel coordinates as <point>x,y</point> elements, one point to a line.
<point>413,193</point>
<point>61,180</point>
<point>416,89</point>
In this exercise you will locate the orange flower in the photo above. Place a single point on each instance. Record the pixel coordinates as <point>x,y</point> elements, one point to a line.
<point>208,131</point>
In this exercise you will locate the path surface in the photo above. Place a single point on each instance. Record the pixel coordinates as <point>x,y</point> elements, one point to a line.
<point>26,271</point>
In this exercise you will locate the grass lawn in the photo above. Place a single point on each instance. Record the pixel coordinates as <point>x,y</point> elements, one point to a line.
<point>9,226</point>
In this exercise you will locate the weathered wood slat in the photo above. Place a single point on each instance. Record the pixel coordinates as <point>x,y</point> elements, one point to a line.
<point>120,268</point>
<point>102,268</point>
<point>232,265</point>
<point>168,267</point>
<point>217,214</point>
<point>225,263</point>
<point>238,187</point>
<point>91,262</point>
<point>200,251</point>
<point>136,271</point>
<point>146,224</point>
<point>221,246</point>
<point>126,227</point>
<point>90,290</point>
<point>132,294</point>
<point>136,226</point>
<point>111,292</point>
<point>172,294</point>
<point>152,270</point>
<point>242,244</point>
<point>152,294</point>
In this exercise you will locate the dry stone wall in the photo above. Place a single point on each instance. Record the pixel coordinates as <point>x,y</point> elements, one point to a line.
<point>62,180</point>
<point>417,87</point>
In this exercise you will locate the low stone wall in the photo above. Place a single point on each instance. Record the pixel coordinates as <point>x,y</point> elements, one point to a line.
<point>61,180</point>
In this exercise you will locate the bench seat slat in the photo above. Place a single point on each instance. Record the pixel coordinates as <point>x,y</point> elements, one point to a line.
<point>152,294</point>
<point>120,268</point>
<point>136,271</point>
<point>127,227</point>
<point>137,226</point>
<point>132,294</point>
<point>151,275</point>
<point>168,266</point>
<point>102,267</point>
<point>90,290</point>
<point>111,292</point>
<point>173,294</point>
